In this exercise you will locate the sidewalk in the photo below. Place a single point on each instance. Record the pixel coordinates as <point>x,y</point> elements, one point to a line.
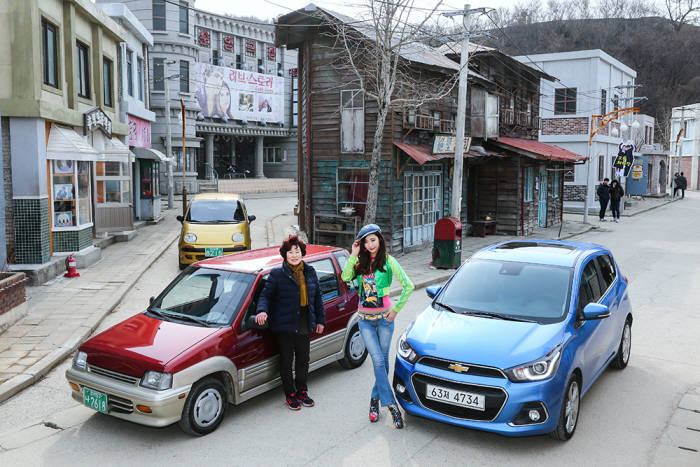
<point>680,442</point>
<point>64,312</point>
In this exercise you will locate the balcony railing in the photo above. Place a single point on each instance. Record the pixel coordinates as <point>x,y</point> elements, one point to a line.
<point>520,118</point>
<point>427,122</point>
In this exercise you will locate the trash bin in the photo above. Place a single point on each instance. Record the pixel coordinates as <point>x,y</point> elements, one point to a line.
<point>447,246</point>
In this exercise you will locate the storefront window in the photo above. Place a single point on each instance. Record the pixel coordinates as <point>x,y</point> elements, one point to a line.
<point>70,193</point>
<point>150,181</point>
<point>191,159</point>
<point>113,182</point>
<point>352,184</point>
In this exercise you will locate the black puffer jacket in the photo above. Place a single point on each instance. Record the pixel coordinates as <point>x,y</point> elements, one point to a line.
<point>616,192</point>
<point>281,299</point>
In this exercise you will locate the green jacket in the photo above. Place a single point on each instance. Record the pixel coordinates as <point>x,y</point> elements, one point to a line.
<point>382,279</point>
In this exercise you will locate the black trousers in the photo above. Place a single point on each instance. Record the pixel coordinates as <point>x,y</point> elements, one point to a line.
<point>615,208</point>
<point>293,347</point>
<point>603,207</point>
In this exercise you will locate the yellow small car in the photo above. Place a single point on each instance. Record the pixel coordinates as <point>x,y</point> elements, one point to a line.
<point>215,224</point>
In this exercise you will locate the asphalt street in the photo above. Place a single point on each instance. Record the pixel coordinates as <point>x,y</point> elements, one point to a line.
<point>621,419</point>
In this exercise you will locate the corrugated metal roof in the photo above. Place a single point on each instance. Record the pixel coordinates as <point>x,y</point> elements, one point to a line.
<point>421,153</point>
<point>538,148</point>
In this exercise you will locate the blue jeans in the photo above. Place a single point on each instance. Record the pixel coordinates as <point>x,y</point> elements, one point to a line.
<point>377,336</point>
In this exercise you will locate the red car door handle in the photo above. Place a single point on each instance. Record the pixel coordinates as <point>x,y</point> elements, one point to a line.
<point>341,305</point>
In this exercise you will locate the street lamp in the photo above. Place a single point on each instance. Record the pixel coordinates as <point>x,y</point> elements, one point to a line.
<point>168,143</point>
<point>604,120</point>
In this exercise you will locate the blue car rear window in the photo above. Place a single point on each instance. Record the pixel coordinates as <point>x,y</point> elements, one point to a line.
<point>524,290</point>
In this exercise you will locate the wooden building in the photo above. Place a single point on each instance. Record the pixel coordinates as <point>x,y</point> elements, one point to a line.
<point>336,130</point>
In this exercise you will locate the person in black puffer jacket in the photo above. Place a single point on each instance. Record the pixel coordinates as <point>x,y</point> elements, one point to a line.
<point>603,193</point>
<point>291,300</point>
<point>616,194</point>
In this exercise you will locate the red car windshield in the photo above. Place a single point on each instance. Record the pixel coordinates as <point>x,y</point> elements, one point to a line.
<point>204,296</point>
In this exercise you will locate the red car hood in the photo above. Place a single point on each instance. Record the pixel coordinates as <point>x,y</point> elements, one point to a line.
<point>142,343</point>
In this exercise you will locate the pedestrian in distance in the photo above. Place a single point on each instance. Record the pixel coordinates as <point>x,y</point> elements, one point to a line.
<point>603,193</point>
<point>374,270</point>
<point>676,183</point>
<point>683,184</point>
<point>291,301</point>
<point>616,194</point>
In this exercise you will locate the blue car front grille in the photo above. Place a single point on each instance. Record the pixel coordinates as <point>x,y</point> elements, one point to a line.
<point>474,370</point>
<point>494,401</point>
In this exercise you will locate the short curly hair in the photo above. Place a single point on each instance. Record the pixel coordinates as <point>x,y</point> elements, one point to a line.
<point>289,243</point>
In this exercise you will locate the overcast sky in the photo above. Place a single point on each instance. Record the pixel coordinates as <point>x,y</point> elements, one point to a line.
<point>269,9</point>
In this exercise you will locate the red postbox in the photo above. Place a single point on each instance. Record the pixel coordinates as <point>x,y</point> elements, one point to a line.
<point>447,245</point>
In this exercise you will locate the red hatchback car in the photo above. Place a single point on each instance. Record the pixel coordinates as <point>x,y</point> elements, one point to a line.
<point>197,347</point>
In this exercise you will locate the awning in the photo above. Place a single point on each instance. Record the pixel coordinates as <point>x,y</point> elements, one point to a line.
<point>114,151</point>
<point>65,144</point>
<point>150,153</point>
<point>532,148</point>
<point>421,153</point>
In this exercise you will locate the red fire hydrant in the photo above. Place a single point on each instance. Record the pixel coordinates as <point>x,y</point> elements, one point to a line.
<point>72,267</point>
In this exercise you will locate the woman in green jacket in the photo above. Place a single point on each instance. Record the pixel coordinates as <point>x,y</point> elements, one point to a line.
<point>374,271</point>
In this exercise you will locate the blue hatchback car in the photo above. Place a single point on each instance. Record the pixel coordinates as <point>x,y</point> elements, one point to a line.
<point>516,336</point>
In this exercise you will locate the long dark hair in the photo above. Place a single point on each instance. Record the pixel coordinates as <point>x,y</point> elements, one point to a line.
<point>364,265</point>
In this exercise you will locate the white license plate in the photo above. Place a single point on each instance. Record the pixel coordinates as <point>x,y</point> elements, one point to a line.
<point>454,397</point>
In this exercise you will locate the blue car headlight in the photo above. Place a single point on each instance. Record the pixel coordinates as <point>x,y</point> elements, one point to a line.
<point>405,350</point>
<point>537,370</point>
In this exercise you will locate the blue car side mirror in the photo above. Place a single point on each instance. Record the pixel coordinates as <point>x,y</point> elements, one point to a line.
<point>595,311</point>
<point>433,290</point>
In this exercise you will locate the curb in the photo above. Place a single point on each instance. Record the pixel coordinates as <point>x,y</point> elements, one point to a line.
<point>652,208</point>
<point>35,372</point>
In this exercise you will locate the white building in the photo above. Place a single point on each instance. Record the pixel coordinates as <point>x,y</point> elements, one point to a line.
<point>685,156</point>
<point>590,83</point>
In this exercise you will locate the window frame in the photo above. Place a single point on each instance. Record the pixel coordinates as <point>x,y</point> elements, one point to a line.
<point>603,282</point>
<point>601,167</point>
<point>580,305</point>
<point>46,26</point>
<point>130,72</point>
<point>315,264</point>
<point>139,78</point>
<point>556,181</point>
<point>124,177</point>
<point>107,82</point>
<point>356,97</point>
<point>567,101</point>
<point>184,76</point>
<point>340,181</point>
<point>529,185</point>
<point>276,152</point>
<point>158,68</point>
<point>82,61</point>
<point>603,101</point>
<point>184,7</point>
<point>158,21</point>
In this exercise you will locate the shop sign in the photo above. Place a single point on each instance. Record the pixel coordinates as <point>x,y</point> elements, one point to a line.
<point>250,48</point>
<point>139,132</point>
<point>292,72</point>
<point>204,38</point>
<point>95,119</point>
<point>229,42</point>
<point>271,53</point>
<point>445,144</point>
<point>637,171</point>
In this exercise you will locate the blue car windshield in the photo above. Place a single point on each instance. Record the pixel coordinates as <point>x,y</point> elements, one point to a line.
<point>532,292</point>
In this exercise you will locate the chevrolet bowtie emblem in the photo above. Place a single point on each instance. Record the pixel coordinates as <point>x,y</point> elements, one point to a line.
<point>458,368</point>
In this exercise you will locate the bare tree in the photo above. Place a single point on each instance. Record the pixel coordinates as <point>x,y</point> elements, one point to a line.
<point>377,53</point>
<point>682,12</point>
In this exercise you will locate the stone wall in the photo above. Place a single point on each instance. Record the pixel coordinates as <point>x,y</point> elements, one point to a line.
<point>574,192</point>
<point>565,126</point>
<point>12,290</point>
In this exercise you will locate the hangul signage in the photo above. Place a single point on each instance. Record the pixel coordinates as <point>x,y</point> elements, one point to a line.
<point>204,38</point>
<point>250,48</point>
<point>445,144</point>
<point>229,43</point>
<point>139,132</point>
<point>95,119</point>
<point>271,53</point>
<point>292,72</point>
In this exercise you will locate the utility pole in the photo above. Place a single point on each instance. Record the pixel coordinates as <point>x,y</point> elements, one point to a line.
<point>168,138</point>
<point>184,161</point>
<point>456,206</point>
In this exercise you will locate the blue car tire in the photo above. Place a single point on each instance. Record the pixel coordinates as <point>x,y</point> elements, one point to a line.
<point>570,406</point>
<point>624,350</point>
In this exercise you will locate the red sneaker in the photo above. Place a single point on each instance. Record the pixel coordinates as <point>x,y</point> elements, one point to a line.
<point>304,398</point>
<point>373,410</point>
<point>293,403</point>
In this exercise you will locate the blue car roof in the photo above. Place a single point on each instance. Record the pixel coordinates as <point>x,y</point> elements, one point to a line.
<point>550,252</point>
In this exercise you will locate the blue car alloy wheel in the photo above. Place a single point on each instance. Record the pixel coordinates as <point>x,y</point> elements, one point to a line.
<point>515,338</point>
